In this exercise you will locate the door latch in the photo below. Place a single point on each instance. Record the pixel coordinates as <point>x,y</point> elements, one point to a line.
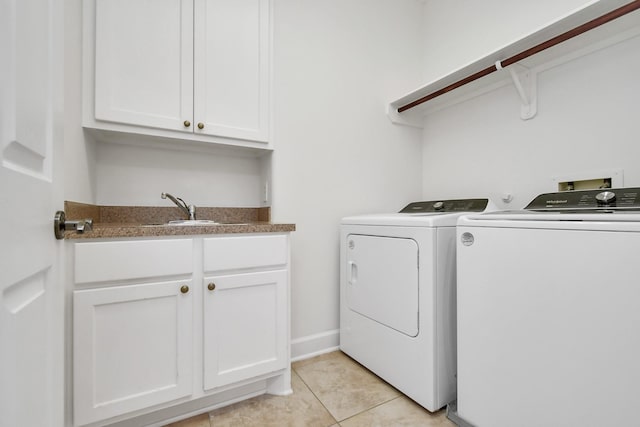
<point>60,225</point>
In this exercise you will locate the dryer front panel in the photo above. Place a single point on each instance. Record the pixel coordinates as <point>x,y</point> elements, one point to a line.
<point>382,280</point>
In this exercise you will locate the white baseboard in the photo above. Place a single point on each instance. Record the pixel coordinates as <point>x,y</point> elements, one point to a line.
<point>314,345</point>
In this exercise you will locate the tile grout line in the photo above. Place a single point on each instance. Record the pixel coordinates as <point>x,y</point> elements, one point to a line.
<point>349,417</point>
<point>373,407</point>
<point>314,395</point>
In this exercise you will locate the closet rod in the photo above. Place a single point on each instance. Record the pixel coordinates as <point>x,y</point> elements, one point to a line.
<point>614,14</point>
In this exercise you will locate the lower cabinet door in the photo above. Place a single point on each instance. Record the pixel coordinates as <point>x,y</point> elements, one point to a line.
<point>245,326</point>
<point>132,348</point>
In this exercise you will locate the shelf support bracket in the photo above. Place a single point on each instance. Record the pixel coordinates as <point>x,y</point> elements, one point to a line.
<point>404,118</point>
<point>526,84</point>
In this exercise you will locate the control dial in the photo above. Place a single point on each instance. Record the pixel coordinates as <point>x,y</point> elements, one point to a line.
<point>438,206</point>
<point>605,197</point>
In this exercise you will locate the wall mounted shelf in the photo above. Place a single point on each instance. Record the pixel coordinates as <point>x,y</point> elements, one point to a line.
<point>520,62</point>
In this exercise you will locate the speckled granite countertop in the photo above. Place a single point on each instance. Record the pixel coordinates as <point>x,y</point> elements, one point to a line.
<point>142,221</point>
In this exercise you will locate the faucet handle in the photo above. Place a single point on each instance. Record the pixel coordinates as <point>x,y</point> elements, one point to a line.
<point>192,212</point>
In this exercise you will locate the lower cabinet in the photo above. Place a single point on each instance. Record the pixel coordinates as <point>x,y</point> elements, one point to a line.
<point>138,335</point>
<point>244,326</point>
<point>132,348</point>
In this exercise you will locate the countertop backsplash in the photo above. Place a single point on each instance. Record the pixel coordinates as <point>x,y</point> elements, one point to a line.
<point>162,214</point>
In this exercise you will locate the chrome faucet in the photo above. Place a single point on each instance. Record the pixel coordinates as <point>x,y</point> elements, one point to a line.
<point>190,210</point>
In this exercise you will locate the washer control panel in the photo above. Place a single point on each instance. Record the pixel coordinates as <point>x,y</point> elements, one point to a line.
<point>459,205</point>
<point>602,199</point>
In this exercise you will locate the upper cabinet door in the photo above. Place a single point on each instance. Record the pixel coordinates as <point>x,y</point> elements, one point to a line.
<point>144,62</point>
<point>231,71</point>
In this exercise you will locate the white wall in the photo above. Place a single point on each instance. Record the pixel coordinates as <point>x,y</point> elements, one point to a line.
<point>131,175</point>
<point>587,121</point>
<point>458,32</point>
<point>336,66</point>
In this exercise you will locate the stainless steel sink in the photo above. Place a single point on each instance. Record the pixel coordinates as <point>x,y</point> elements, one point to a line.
<point>193,222</point>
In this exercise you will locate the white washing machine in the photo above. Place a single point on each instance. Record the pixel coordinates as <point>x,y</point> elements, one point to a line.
<point>549,313</point>
<point>397,296</point>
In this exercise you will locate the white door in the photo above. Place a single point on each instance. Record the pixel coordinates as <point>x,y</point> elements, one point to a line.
<point>231,68</point>
<point>31,292</point>
<point>144,63</point>
<point>382,280</point>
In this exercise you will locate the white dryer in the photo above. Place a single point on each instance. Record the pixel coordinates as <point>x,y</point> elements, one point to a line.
<point>549,312</point>
<point>397,296</point>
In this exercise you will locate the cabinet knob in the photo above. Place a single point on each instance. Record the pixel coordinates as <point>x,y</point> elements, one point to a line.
<point>211,286</point>
<point>184,289</point>
<point>200,125</point>
<point>187,123</point>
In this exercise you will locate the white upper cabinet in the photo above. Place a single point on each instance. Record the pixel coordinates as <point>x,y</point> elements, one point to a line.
<point>144,62</point>
<point>231,72</point>
<point>187,69</point>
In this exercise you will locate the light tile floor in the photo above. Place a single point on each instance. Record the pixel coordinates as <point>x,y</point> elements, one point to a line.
<point>328,391</point>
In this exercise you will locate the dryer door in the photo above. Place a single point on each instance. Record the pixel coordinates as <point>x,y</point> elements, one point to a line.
<point>382,280</point>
